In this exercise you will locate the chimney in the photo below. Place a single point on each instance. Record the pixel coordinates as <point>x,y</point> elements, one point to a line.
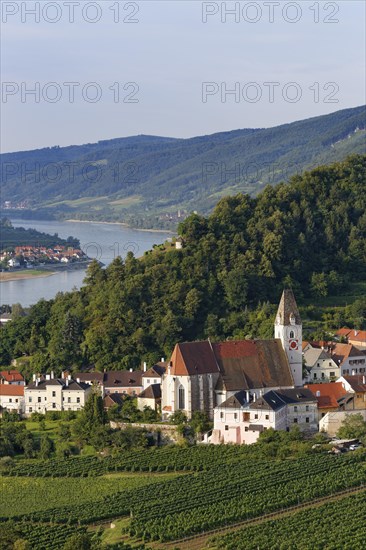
<point>34,377</point>
<point>145,366</point>
<point>254,397</point>
<point>67,382</point>
<point>78,380</point>
<point>69,377</point>
<point>52,375</point>
<point>318,393</point>
<point>162,360</point>
<point>364,379</point>
<point>48,377</point>
<point>37,383</point>
<point>353,372</point>
<point>131,370</point>
<point>63,374</point>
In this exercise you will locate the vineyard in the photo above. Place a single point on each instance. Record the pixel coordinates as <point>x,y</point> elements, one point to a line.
<point>47,537</point>
<point>20,495</point>
<point>224,494</point>
<point>339,525</point>
<point>154,460</point>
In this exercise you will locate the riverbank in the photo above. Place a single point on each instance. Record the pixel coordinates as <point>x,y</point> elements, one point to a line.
<point>124,225</point>
<point>24,274</point>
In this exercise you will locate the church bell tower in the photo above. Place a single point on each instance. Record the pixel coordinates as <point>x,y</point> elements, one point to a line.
<point>288,328</point>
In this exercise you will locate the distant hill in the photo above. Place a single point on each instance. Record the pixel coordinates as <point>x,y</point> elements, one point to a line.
<point>139,179</point>
<point>10,237</point>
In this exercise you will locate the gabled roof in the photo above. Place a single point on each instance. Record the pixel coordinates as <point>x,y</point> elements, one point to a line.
<point>357,382</point>
<point>288,309</point>
<point>235,401</point>
<point>328,395</point>
<point>190,358</point>
<point>296,395</point>
<point>357,336</point>
<point>123,379</point>
<point>11,376</point>
<point>115,398</point>
<point>250,364</point>
<point>156,370</point>
<point>271,400</point>
<point>341,352</point>
<point>11,389</point>
<point>312,355</point>
<point>152,392</point>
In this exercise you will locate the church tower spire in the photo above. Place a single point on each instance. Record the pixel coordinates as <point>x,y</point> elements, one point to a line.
<point>288,328</point>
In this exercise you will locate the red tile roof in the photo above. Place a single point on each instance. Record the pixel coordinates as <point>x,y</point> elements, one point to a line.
<point>11,389</point>
<point>328,394</point>
<point>11,376</point>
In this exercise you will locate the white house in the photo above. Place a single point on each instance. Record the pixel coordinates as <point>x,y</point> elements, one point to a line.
<point>12,377</point>
<point>55,394</point>
<point>12,397</point>
<point>321,365</point>
<point>237,421</point>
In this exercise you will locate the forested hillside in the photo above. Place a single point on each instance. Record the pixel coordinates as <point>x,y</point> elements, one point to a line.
<point>309,234</point>
<point>10,237</point>
<point>140,179</point>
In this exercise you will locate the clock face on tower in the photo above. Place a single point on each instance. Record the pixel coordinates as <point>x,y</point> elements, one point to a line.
<point>294,344</point>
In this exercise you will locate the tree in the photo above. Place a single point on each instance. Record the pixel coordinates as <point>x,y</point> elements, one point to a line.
<point>200,422</point>
<point>91,418</point>
<point>79,541</point>
<point>46,447</point>
<point>353,426</point>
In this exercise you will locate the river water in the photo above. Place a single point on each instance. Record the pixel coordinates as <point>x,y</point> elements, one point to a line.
<point>98,240</point>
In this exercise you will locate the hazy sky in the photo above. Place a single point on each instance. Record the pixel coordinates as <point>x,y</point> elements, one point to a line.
<point>170,72</point>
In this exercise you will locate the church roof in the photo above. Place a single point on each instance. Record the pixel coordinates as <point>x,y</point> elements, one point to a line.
<point>249,364</point>
<point>242,364</point>
<point>287,308</point>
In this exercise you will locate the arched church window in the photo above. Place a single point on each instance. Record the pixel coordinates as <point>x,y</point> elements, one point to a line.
<point>181,398</point>
<point>292,334</point>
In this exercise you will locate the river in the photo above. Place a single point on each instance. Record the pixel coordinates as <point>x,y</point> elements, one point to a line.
<point>103,241</point>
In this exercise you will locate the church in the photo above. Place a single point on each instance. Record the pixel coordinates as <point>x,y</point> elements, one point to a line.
<point>201,376</point>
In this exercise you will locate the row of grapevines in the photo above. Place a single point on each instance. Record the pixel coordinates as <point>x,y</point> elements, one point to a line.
<point>154,459</point>
<point>47,537</point>
<point>192,505</point>
<point>337,525</point>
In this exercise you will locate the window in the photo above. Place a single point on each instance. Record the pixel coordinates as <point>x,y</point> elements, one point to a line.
<point>246,429</point>
<point>30,400</point>
<point>10,400</point>
<point>255,416</point>
<point>307,420</point>
<point>78,400</point>
<point>16,401</point>
<point>235,416</point>
<point>226,428</point>
<point>148,380</point>
<point>182,398</point>
<point>267,416</point>
<point>295,408</point>
<point>53,405</point>
<point>332,374</point>
<point>314,375</point>
<point>30,409</point>
<point>295,420</point>
<point>323,375</point>
<point>155,381</point>
<point>307,408</point>
<point>221,415</point>
<point>53,394</point>
<point>69,399</point>
<point>39,399</point>
<point>292,334</point>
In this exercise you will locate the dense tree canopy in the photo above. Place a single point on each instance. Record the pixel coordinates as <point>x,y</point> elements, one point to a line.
<point>309,234</point>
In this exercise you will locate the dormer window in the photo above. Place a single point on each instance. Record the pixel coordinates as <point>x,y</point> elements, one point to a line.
<point>292,319</point>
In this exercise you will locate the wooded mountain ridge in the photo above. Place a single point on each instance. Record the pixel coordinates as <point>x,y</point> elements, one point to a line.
<point>145,180</point>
